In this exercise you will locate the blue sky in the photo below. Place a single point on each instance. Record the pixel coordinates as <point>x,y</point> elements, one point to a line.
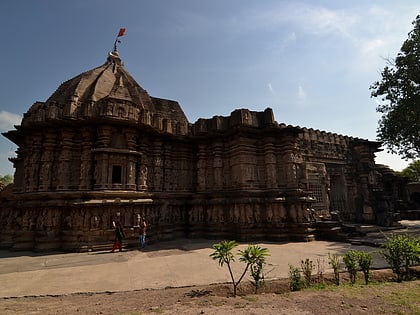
<point>312,62</point>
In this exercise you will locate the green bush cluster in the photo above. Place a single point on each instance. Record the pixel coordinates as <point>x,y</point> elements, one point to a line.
<point>358,260</point>
<point>399,251</point>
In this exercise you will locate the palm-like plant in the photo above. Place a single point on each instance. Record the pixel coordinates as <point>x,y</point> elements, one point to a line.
<point>253,256</point>
<point>223,253</point>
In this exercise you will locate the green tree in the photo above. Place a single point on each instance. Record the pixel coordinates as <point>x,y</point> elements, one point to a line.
<point>253,256</point>
<point>6,179</point>
<point>399,96</point>
<point>412,171</point>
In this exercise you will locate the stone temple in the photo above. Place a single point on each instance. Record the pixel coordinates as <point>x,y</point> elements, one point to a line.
<point>100,148</point>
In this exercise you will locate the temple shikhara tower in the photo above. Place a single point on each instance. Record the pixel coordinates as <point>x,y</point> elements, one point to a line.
<point>100,149</point>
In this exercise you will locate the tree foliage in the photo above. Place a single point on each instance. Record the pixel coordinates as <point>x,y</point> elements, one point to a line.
<point>399,95</point>
<point>412,171</point>
<point>6,179</point>
<point>253,256</point>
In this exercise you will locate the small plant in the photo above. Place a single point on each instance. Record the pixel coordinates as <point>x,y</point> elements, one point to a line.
<point>350,259</point>
<point>320,268</point>
<point>294,278</point>
<point>307,268</point>
<point>223,253</point>
<point>399,252</point>
<point>364,260</point>
<point>253,256</point>
<point>334,261</point>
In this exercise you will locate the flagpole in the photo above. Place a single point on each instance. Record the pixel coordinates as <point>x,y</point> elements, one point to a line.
<point>120,33</point>
<point>115,44</point>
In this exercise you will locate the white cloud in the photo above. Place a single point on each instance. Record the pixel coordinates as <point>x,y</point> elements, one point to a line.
<point>8,120</point>
<point>312,19</point>
<point>318,20</point>
<point>270,87</point>
<point>301,94</point>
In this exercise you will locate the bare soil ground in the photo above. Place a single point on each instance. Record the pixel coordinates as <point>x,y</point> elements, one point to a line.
<point>383,296</point>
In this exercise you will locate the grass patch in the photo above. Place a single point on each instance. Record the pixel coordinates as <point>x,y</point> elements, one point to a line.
<point>250,298</point>
<point>408,299</point>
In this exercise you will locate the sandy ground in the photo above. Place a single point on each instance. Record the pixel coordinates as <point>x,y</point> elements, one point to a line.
<point>384,296</point>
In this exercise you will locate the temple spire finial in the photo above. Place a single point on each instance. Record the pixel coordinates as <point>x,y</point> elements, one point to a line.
<point>120,33</point>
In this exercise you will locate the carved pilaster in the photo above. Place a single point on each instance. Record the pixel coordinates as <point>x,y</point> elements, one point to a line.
<point>201,168</point>
<point>130,136</point>
<point>270,164</point>
<point>33,164</point>
<point>86,161</point>
<point>169,177</point>
<point>131,173</point>
<point>104,137</point>
<point>217,166</point>
<point>64,160</point>
<point>101,171</point>
<point>45,174</point>
<point>157,164</point>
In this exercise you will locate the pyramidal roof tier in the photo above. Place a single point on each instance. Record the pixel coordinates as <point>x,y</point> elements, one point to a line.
<point>108,92</point>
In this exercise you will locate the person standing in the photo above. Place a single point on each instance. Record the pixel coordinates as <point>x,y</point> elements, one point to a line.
<point>119,236</point>
<point>142,233</point>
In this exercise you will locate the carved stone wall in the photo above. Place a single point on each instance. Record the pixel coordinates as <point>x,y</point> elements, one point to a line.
<point>101,149</point>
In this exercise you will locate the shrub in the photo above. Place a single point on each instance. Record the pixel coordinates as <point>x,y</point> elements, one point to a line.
<point>334,261</point>
<point>350,259</point>
<point>307,268</point>
<point>364,260</point>
<point>294,278</point>
<point>254,256</point>
<point>320,268</point>
<point>400,251</point>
